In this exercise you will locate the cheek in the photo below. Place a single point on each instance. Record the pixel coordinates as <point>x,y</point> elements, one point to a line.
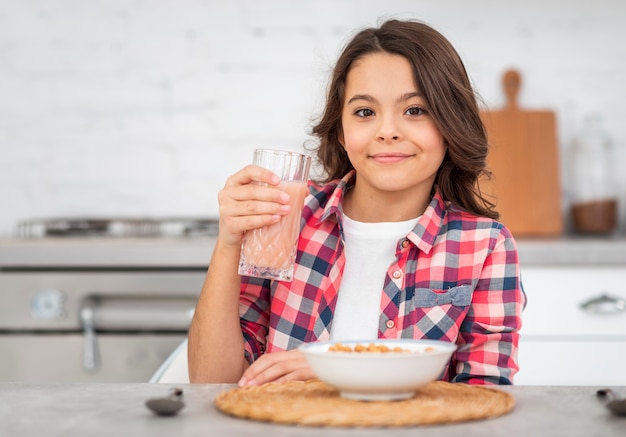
<point>355,134</point>
<point>435,144</point>
<point>355,139</point>
<point>441,154</point>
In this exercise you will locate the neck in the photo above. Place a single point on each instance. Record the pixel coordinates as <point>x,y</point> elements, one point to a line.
<point>377,207</point>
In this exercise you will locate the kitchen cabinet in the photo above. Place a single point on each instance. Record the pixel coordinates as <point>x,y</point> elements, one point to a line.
<point>574,324</point>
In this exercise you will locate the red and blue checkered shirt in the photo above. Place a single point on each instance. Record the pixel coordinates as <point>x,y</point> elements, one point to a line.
<point>455,278</point>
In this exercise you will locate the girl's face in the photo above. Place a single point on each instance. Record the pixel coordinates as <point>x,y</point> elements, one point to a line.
<point>388,134</point>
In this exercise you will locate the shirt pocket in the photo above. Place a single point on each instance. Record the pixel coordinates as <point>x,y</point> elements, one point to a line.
<point>459,296</point>
<point>438,314</point>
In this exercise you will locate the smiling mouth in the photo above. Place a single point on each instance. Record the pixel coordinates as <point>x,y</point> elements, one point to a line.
<point>390,158</point>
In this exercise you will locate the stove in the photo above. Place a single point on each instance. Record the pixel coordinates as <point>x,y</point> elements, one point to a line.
<point>72,227</point>
<point>106,243</point>
<point>98,299</point>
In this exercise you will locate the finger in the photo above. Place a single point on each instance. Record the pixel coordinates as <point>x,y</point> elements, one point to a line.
<point>254,191</point>
<point>249,206</point>
<point>261,365</point>
<point>253,173</point>
<point>302,374</point>
<point>234,228</point>
<point>277,366</point>
<point>239,216</point>
<point>252,199</point>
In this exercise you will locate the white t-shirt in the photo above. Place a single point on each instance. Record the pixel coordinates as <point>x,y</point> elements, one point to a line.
<point>370,249</point>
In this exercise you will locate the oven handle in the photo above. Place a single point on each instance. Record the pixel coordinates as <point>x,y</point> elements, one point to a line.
<point>131,313</point>
<point>142,313</point>
<point>91,353</point>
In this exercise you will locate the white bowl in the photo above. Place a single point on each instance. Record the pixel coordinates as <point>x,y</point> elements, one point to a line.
<point>379,375</point>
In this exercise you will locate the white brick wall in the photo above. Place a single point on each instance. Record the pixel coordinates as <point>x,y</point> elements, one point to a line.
<point>118,107</point>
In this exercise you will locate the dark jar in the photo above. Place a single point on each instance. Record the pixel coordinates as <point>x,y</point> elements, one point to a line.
<point>593,187</point>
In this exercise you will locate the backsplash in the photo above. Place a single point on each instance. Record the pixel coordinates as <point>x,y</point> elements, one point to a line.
<point>143,108</point>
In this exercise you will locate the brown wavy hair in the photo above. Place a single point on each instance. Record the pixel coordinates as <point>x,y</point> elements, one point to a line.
<point>441,77</point>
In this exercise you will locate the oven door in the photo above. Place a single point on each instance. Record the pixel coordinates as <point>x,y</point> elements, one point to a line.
<point>96,326</point>
<point>59,358</point>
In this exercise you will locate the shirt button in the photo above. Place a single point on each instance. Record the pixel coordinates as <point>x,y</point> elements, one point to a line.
<point>397,274</point>
<point>405,244</point>
<point>390,324</point>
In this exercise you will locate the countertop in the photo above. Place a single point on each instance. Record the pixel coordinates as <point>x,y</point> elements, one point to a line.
<point>572,251</point>
<point>196,252</point>
<point>118,410</point>
<point>152,253</point>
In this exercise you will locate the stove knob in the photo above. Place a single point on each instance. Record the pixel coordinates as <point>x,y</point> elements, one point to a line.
<point>48,305</point>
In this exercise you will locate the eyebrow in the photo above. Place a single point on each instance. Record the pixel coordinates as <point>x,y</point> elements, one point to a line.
<point>403,98</point>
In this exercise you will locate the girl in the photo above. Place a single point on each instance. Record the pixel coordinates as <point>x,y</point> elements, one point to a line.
<point>396,242</point>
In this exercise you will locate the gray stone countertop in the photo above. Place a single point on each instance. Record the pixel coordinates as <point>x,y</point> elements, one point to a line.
<point>572,251</point>
<point>196,252</point>
<point>118,410</point>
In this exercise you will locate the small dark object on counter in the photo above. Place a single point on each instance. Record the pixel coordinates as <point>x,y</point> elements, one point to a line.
<point>168,406</point>
<point>599,216</point>
<point>616,405</point>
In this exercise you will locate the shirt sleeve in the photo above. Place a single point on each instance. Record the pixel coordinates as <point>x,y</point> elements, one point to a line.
<point>489,336</point>
<point>254,309</point>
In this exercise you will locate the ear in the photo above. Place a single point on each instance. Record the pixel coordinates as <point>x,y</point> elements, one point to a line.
<point>341,138</point>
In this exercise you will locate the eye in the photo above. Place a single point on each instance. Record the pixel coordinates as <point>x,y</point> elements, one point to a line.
<point>364,112</point>
<point>415,111</point>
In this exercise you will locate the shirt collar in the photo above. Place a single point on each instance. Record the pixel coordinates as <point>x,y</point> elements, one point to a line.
<point>334,205</point>
<point>429,225</point>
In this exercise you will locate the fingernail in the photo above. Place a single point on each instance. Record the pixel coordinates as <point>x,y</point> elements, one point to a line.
<point>242,381</point>
<point>284,197</point>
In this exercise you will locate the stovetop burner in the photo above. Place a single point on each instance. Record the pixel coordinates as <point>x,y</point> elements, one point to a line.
<point>70,227</point>
<point>75,227</point>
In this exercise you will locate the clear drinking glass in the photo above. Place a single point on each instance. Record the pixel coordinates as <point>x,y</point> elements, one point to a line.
<point>270,252</point>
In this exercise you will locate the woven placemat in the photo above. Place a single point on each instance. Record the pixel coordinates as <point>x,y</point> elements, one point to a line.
<point>315,403</point>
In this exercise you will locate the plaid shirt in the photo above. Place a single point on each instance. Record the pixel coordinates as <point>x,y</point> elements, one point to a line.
<point>455,278</point>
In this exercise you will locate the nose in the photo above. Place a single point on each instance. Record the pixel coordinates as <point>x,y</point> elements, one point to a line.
<point>388,130</point>
<point>388,137</point>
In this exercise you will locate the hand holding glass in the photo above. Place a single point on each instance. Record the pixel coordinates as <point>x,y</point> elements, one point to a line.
<point>270,252</point>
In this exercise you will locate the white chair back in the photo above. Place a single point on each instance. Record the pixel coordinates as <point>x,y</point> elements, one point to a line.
<point>174,369</point>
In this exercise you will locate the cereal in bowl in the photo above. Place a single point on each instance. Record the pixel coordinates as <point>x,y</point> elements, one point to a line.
<point>372,347</point>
